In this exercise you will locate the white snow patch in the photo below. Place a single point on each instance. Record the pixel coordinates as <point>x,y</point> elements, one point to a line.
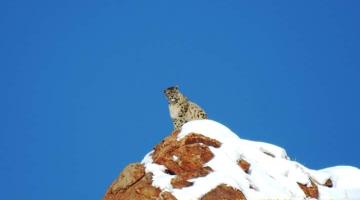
<point>272,174</point>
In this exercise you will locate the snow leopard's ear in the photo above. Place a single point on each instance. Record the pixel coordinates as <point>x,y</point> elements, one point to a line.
<point>176,87</point>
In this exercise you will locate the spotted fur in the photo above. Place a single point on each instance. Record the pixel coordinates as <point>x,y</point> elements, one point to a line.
<point>181,109</point>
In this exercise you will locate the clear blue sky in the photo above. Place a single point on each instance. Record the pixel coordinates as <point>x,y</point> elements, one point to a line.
<point>81,83</point>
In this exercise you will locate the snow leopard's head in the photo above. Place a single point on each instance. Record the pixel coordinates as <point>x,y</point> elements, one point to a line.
<point>173,94</point>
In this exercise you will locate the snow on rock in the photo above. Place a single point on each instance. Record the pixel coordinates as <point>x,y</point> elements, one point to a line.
<point>270,174</point>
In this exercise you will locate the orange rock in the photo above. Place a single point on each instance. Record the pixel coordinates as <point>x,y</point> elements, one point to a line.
<point>193,156</point>
<point>310,191</point>
<point>193,138</point>
<point>180,182</point>
<point>167,196</point>
<point>130,175</point>
<point>223,192</point>
<point>185,158</point>
<point>244,165</point>
<point>140,190</point>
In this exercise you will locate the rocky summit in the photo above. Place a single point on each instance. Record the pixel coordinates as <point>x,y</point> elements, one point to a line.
<point>207,161</point>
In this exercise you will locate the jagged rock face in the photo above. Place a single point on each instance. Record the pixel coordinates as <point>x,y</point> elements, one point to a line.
<point>224,192</point>
<point>187,162</point>
<point>133,184</point>
<point>207,161</point>
<point>129,176</point>
<point>185,159</point>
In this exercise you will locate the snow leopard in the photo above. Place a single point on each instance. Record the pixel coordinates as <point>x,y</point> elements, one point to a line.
<point>181,109</point>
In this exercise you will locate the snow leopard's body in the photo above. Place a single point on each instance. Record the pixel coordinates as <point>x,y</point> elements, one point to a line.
<point>181,109</point>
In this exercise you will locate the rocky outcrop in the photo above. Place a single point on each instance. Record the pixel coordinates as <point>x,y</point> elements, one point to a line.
<point>184,160</point>
<point>310,191</point>
<point>224,192</point>
<point>133,184</point>
<point>129,176</point>
<point>244,165</point>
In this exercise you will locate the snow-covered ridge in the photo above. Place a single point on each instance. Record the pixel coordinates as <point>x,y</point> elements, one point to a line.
<point>272,174</point>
